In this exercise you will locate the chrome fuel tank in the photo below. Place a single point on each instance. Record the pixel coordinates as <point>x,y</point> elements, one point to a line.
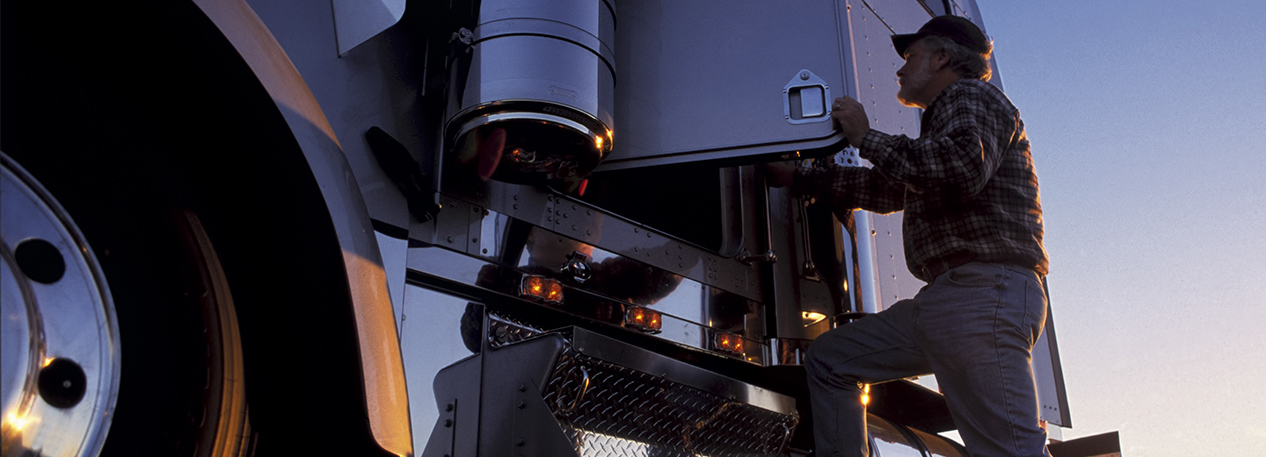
<point>541,76</point>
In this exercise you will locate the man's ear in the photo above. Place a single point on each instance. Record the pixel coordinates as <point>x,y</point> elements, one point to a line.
<point>940,59</point>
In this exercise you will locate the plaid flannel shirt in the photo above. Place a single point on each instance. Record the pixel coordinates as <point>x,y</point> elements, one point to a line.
<point>967,185</point>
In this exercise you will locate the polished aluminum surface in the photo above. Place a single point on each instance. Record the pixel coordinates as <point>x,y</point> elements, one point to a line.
<point>600,347</point>
<point>867,275</point>
<point>58,316</point>
<point>553,51</point>
<point>433,328</point>
<point>292,59</point>
<point>535,64</point>
<point>884,278</point>
<point>538,139</point>
<point>938,446</point>
<point>356,21</point>
<point>806,99</point>
<point>394,253</point>
<point>891,440</point>
<point>610,410</point>
<point>466,214</point>
<point>876,63</point>
<point>495,116</point>
<point>522,227</point>
<point>445,264</point>
<point>503,330</point>
<point>614,399</point>
<point>790,351</point>
<point>550,250</point>
<point>1048,373</point>
<point>690,311</point>
<point>704,81</point>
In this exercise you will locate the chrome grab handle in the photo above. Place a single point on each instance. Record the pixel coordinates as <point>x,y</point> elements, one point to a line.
<point>580,394</point>
<point>809,270</point>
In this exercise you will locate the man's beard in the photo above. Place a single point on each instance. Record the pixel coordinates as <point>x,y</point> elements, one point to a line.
<point>912,85</point>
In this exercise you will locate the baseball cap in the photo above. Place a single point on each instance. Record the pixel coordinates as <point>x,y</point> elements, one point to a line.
<point>957,29</point>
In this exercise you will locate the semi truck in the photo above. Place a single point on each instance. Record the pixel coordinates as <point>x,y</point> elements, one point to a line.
<point>442,228</point>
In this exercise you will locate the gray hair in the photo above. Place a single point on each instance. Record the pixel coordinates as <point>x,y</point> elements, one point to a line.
<point>965,62</point>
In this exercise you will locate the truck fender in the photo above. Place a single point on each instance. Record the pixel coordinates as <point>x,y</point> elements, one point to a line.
<point>382,369</point>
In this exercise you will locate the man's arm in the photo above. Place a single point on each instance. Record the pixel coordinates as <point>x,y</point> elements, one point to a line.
<point>842,188</point>
<point>958,159</point>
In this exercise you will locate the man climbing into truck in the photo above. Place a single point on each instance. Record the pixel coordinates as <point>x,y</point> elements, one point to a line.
<point>972,224</point>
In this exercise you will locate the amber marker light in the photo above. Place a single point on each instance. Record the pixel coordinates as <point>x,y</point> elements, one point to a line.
<point>602,143</point>
<point>728,343</point>
<point>865,394</point>
<point>643,319</point>
<point>541,288</point>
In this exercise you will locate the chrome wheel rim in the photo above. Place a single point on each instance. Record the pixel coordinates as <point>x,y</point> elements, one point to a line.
<point>61,361</point>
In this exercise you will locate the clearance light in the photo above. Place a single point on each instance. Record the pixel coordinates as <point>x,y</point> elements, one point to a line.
<point>865,394</point>
<point>728,343</point>
<point>541,288</point>
<point>643,319</point>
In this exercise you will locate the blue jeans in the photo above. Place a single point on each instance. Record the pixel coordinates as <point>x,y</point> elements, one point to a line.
<point>973,327</point>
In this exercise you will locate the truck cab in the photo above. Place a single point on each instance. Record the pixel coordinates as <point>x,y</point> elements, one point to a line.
<point>476,227</point>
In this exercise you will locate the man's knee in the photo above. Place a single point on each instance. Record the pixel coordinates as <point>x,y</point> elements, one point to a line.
<point>812,360</point>
<point>825,361</point>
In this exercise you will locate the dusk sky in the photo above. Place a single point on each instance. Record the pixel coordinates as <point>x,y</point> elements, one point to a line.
<point>1150,140</point>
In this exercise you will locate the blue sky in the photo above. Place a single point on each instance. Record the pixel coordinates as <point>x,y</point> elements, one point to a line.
<point>1147,127</point>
